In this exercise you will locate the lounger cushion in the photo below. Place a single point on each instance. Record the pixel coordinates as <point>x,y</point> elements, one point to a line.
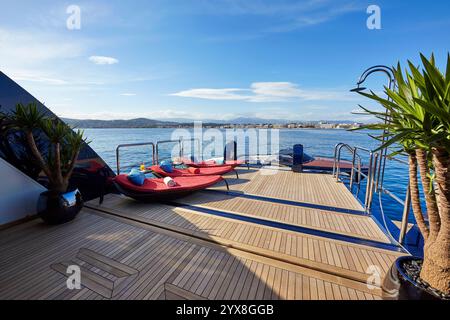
<point>216,161</point>
<point>136,177</point>
<point>158,185</point>
<point>167,166</point>
<point>212,164</point>
<point>204,171</point>
<point>168,181</point>
<point>194,170</point>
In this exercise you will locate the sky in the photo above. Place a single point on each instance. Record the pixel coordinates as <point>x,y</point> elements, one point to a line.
<point>212,59</point>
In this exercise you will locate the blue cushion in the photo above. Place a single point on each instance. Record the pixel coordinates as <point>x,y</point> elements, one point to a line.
<point>136,177</point>
<point>167,166</point>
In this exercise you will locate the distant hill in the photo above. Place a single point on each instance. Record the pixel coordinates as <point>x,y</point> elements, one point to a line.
<point>132,123</point>
<point>255,121</point>
<point>150,123</point>
<point>249,120</point>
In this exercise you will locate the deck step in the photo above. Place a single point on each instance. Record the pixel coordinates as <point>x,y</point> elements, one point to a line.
<point>208,235</point>
<point>120,275</point>
<point>173,292</point>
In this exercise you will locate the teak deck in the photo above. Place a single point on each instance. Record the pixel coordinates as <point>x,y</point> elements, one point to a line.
<point>206,246</point>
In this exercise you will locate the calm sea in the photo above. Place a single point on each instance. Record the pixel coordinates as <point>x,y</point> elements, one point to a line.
<point>316,143</point>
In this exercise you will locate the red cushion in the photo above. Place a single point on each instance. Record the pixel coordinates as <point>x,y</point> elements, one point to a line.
<point>194,170</point>
<point>234,162</point>
<point>158,185</point>
<point>203,171</point>
<point>213,170</point>
<point>212,163</point>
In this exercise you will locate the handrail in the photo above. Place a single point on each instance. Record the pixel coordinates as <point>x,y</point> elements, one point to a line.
<point>398,160</point>
<point>377,162</point>
<point>337,159</point>
<point>133,145</point>
<point>369,176</point>
<point>186,140</point>
<point>158,143</point>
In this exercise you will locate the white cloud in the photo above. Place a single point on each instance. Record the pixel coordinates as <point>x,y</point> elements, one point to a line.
<point>161,113</point>
<point>320,12</point>
<point>102,60</point>
<point>128,94</point>
<point>23,48</point>
<point>266,92</point>
<point>171,114</point>
<point>214,94</point>
<point>33,76</point>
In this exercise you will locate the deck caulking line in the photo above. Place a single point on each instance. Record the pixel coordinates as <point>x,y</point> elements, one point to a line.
<point>297,229</point>
<point>237,247</point>
<point>289,202</point>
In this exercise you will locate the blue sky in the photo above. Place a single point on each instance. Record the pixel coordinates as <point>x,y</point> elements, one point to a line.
<point>211,59</point>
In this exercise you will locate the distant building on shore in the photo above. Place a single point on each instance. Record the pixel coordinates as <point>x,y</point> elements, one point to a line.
<point>326,125</point>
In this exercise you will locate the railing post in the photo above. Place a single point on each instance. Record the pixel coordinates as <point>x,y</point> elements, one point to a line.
<point>369,182</point>
<point>117,160</point>
<point>372,180</point>
<point>359,172</point>
<point>353,168</point>
<point>338,162</point>
<point>153,154</point>
<point>181,148</point>
<point>133,145</point>
<point>335,155</point>
<point>380,170</point>
<point>406,210</point>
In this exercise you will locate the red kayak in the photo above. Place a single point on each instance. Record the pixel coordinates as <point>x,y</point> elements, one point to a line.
<point>156,189</point>
<point>192,172</point>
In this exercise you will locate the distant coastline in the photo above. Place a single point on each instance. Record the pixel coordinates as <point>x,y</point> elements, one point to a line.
<point>240,123</point>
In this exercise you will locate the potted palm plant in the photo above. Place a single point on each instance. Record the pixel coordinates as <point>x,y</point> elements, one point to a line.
<point>58,204</point>
<point>417,120</point>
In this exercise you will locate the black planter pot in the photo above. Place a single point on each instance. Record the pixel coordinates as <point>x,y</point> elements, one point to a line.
<point>398,285</point>
<point>60,208</point>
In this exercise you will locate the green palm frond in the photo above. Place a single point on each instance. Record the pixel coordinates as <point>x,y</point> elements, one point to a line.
<point>55,130</point>
<point>27,117</point>
<point>418,108</point>
<point>64,143</point>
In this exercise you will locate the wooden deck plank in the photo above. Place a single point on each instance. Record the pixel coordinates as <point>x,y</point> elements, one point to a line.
<point>318,188</point>
<point>319,250</point>
<point>201,255</point>
<point>343,223</point>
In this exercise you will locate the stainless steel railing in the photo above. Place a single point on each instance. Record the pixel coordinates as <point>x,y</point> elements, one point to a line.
<point>180,145</point>
<point>121,146</point>
<point>159,143</point>
<point>374,177</point>
<point>182,141</point>
<point>355,156</point>
<point>154,149</point>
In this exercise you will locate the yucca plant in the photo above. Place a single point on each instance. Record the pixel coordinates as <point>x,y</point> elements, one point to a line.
<point>14,147</point>
<point>417,122</point>
<point>64,144</point>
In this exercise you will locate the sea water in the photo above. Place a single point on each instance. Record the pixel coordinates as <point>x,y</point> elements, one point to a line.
<point>316,143</point>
